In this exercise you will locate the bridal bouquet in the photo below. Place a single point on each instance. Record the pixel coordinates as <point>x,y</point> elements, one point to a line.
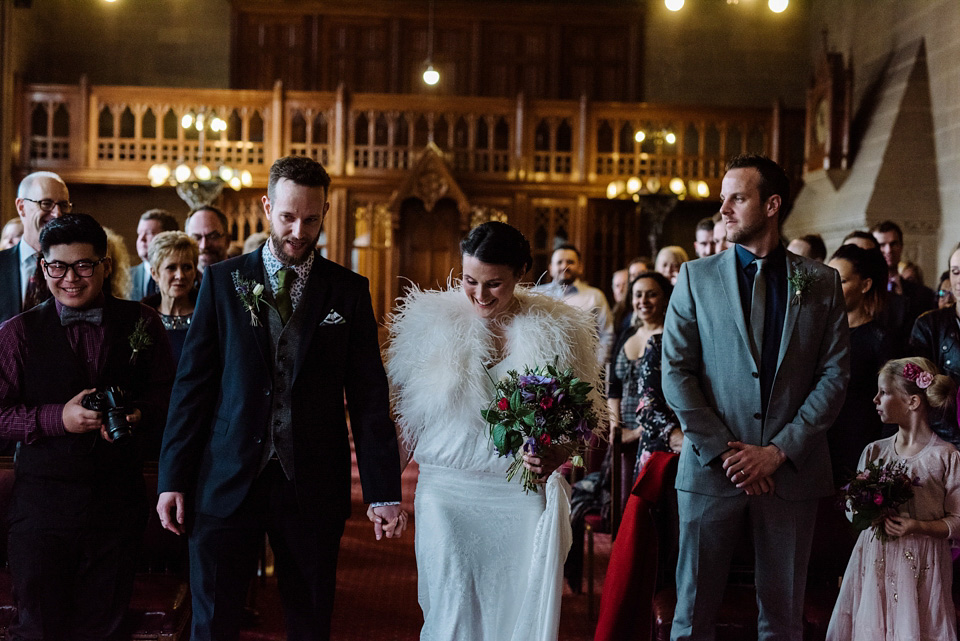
<point>876,492</point>
<point>541,407</point>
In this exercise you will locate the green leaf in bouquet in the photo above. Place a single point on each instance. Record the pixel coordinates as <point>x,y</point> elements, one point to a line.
<point>516,400</point>
<point>529,418</point>
<point>864,519</point>
<point>514,442</point>
<point>490,416</point>
<point>499,434</point>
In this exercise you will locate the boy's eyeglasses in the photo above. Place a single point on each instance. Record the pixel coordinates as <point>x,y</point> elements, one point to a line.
<point>82,268</point>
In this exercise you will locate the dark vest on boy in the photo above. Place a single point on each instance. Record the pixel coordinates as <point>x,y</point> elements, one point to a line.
<point>78,480</point>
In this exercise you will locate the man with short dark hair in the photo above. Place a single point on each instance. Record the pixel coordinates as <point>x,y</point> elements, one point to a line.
<point>258,442</point>
<point>755,365</point>
<point>152,222</point>
<point>703,243</point>
<point>809,246</point>
<point>78,508</point>
<point>209,227</point>
<point>41,197</point>
<point>566,269</point>
<point>920,298</point>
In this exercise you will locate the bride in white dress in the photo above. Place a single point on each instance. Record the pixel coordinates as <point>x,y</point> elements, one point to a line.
<point>489,557</point>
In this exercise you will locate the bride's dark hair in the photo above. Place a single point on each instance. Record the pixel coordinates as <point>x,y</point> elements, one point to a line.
<point>497,243</point>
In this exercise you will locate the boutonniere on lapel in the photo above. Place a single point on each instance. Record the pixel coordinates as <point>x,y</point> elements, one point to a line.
<point>251,295</point>
<point>139,340</point>
<point>333,318</point>
<point>801,280</point>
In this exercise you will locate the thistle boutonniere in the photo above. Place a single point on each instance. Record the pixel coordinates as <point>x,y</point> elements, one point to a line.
<point>251,295</point>
<point>139,340</point>
<point>801,280</point>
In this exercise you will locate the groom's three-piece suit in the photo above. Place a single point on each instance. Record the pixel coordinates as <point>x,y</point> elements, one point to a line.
<point>714,381</point>
<point>257,440</point>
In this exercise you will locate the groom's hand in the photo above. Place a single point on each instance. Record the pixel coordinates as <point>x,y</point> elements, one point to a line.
<point>746,465</point>
<point>170,509</point>
<point>389,520</point>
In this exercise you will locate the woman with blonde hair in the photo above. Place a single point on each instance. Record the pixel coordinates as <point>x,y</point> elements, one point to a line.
<point>118,283</point>
<point>173,257</point>
<point>669,260</point>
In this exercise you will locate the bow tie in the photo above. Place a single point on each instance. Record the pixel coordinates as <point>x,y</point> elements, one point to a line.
<point>70,316</point>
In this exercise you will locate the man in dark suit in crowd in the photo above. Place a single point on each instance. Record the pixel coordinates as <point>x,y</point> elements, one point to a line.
<point>258,438</point>
<point>152,222</point>
<point>41,197</point>
<point>79,505</point>
<point>920,298</point>
<point>209,227</point>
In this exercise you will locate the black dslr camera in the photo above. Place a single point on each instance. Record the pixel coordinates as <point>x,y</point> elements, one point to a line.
<point>109,402</point>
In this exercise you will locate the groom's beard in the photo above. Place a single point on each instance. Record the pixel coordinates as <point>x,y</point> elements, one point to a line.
<point>289,259</point>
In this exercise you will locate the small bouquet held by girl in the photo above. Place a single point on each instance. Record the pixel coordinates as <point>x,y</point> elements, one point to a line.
<point>877,491</point>
<point>540,408</point>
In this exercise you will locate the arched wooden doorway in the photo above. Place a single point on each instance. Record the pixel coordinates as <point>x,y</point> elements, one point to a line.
<point>428,243</point>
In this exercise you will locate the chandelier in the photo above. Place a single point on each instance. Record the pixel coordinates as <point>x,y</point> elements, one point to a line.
<point>199,185</point>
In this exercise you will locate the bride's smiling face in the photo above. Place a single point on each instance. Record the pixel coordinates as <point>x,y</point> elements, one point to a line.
<point>489,287</point>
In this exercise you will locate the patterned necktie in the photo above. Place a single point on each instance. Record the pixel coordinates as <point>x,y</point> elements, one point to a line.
<point>37,291</point>
<point>285,278</point>
<point>758,306</point>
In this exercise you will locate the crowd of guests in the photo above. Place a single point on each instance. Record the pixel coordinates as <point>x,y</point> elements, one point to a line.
<point>674,364</point>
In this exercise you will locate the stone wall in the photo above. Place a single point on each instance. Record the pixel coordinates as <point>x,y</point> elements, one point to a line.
<point>906,66</point>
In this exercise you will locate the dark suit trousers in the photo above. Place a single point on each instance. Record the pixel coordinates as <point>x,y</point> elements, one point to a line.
<point>72,584</point>
<point>223,559</point>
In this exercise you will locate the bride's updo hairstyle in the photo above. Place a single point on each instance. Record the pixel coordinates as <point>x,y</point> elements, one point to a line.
<point>497,243</point>
<point>918,376</point>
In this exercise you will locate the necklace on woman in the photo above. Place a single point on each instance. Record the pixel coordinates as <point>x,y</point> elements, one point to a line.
<point>171,321</point>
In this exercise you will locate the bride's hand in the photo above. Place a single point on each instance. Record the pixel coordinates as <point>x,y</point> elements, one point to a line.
<point>545,461</point>
<point>387,519</point>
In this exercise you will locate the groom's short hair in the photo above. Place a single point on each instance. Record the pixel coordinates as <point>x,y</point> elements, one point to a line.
<point>301,170</point>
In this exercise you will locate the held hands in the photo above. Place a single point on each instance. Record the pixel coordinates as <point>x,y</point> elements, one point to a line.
<point>170,509</point>
<point>387,520</point>
<point>750,467</point>
<point>900,525</point>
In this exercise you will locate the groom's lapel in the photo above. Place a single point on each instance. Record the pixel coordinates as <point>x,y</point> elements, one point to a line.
<point>729,283</point>
<point>793,308</point>
<point>313,302</point>
<point>251,269</point>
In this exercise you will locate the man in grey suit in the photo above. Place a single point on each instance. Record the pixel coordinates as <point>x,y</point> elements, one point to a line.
<point>755,364</point>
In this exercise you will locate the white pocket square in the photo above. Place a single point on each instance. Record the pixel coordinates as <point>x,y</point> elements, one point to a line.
<point>333,318</point>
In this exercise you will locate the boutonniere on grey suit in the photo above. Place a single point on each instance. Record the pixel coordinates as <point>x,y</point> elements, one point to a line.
<point>801,280</point>
<point>251,295</point>
<point>333,318</point>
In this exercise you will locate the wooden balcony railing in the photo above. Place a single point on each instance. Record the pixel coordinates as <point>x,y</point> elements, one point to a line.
<point>104,134</point>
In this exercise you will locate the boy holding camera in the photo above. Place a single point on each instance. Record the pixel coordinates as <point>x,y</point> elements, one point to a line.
<point>78,506</point>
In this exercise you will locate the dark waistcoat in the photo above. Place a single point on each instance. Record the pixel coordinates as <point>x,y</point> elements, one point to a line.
<point>80,476</point>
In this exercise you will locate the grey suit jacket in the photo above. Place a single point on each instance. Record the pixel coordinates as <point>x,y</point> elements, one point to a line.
<point>711,380</point>
<point>137,291</point>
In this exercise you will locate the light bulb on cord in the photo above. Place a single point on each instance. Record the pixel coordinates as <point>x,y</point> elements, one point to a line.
<point>431,76</point>
<point>778,6</point>
<point>673,5</point>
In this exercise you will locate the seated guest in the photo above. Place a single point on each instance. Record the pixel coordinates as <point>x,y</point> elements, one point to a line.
<point>863,277</point>
<point>669,260</point>
<point>810,246</point>
<point>11,234</point>
<point>118,284</point>
<point>936,336</point>
<point>152,222</point>
<point>945,297</point>
<point>173,259</point>
<point>78,506</point>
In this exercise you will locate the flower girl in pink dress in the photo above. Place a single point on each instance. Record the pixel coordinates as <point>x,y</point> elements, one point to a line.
<point>900,588</point>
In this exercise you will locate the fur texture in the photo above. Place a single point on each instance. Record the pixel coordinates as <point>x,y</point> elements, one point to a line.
<point>439,346</point>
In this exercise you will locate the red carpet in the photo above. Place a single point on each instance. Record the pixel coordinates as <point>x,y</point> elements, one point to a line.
<point>377,586</point>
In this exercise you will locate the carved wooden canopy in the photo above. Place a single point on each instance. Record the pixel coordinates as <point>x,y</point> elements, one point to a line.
<point>430,180</point>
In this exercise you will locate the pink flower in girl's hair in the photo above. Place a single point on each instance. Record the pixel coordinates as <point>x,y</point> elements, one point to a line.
<point>924,379</point>
<point>878,498</point>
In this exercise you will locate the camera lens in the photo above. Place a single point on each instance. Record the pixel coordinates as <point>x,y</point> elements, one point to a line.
<point>117,426</point>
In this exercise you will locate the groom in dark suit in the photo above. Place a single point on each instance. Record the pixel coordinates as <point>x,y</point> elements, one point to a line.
<point>256,438</point>
<point>755,364</point>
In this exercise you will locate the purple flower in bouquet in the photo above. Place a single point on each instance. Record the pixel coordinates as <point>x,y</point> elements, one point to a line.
<point>876,492</point>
